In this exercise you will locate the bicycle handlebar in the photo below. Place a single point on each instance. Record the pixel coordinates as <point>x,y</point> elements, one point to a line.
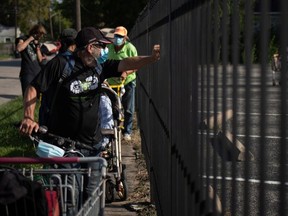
<point>43,131</point>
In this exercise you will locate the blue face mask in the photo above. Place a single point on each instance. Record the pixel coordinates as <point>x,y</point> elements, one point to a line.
<point>118,41</point>
<point>103,56</point>
<point>48,151</point>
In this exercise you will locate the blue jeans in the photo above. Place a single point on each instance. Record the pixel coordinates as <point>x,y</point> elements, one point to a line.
<point>90,184</point>
<point>128,102</point>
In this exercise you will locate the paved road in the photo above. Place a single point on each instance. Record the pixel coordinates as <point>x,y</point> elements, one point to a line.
<point>9,79</point>
<point>259,130</point>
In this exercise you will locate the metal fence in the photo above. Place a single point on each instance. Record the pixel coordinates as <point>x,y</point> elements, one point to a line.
<point>213,127</point>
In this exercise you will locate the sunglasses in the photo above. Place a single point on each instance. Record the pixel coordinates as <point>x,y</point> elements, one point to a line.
<point>99,45</point>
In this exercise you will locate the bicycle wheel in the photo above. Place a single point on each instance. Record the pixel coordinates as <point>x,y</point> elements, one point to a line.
<point>109,193</point>
<point>122,187</point>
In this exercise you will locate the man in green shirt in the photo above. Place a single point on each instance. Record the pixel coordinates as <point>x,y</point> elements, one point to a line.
<point>120,49</point>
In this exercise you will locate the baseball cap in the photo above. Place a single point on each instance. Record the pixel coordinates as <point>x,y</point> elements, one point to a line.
<point>121,30</point>
<point>68,33</point>
<point>88,35</point>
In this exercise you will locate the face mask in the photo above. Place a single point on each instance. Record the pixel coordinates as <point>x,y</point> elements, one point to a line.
<point>48,151</point>
<point>118,41</point>
<point>103,55</point>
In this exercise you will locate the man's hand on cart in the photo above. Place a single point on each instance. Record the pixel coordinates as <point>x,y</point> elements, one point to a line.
<point>62,142</point>
<point>28,126</point>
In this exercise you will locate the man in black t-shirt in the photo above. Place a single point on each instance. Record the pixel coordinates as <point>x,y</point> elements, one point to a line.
<point>74,111</point>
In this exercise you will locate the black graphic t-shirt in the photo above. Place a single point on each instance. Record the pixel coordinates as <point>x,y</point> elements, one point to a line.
<point>29,61</point>
<point>75,110</point>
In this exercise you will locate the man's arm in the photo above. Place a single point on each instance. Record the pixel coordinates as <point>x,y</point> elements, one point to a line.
<point>137,62</point>
<point>28,125</point>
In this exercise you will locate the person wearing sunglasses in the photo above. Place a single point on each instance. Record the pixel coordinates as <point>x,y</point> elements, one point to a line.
<point>120,49</point>
<point>74,113</point>
<point>31,57</point>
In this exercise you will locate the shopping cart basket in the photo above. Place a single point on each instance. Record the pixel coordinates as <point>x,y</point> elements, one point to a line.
<point>59,190</point>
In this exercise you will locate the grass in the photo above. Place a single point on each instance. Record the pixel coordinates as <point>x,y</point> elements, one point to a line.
<point>12,143</point>
<point>5,56</point>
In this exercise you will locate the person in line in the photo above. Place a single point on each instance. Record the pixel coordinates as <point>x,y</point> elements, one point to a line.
<point>120,49</point>
<point>67,48</point>
<point>276,68</point>
<point>67,40</point>
<point>75,110</point>
<point>29,48</point>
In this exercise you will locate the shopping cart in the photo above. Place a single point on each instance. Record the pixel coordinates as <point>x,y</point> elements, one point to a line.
<point>57,185</point>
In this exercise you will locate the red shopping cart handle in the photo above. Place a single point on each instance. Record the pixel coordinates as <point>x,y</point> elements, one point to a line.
<point>33,160</point>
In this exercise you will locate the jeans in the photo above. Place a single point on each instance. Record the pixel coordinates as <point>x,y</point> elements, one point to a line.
<point>90,184</point>
<point>72,210</point>
<point>128,102</point>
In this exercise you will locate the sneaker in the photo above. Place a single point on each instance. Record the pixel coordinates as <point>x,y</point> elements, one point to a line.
<point>127,137</point>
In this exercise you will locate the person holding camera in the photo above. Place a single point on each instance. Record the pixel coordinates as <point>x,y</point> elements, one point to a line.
<point>31,57</point>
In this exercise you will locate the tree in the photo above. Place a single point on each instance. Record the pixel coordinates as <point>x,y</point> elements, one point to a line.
<point>104,13</point>
<point>31,12</point>
<point>122,12</point>
<point>7,12</point>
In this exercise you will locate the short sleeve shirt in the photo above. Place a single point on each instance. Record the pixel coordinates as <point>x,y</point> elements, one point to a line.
<point>29,62</point>
<point>75,108</point>
<point>128,50</point>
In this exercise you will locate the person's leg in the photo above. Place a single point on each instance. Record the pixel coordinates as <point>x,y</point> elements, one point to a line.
<point>78,196</point>
<point>93,182</point>
<point>106,120</point>
<point>128,101</point>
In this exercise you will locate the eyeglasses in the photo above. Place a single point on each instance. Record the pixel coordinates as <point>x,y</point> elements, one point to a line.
<point>99,45</point>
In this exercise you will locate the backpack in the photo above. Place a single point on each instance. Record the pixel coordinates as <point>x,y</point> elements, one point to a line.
<point>20,195</point>
<point>45,107</point>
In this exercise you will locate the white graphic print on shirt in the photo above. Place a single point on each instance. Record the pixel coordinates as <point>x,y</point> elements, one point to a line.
<point>78,86</point>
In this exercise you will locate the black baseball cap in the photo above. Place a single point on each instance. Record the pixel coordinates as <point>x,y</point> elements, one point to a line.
<point>88,35</point>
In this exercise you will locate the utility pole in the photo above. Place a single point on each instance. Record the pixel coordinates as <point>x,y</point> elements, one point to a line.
<point>78,15</point>
<point>51,24</point>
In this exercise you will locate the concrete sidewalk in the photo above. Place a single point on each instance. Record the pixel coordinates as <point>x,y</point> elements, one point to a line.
<point>10,86</point>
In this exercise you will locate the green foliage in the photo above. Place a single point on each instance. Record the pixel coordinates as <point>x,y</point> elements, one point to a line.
<point>31,12</point>
<point>273,47</point>
<point>98,13</point>
<point>11,142</point>
<point>104,13</point>
<point>7,13</point>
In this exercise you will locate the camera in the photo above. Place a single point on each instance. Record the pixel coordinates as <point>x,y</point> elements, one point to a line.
<point>36,36</point>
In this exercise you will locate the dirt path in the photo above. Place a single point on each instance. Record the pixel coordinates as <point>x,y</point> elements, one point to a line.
<point>122,208</point>
<point>137,203</point>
